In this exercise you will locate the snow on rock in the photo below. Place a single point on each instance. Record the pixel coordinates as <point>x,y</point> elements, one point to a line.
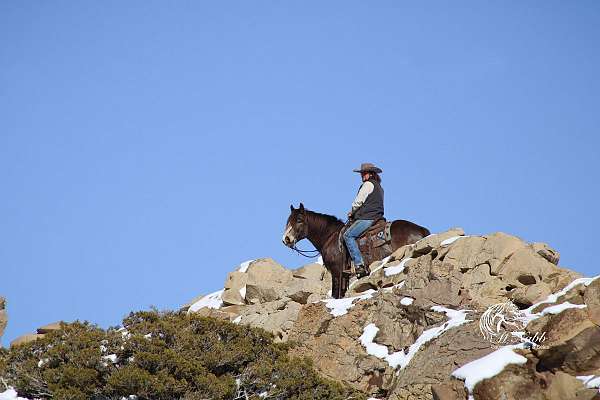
<point>124,333</point>
<point>212,300</point>
<point>397,269</point>
<point>560,308</point>
<point>555,296</point>
<point>243,292</point>
<point>451,240</point>
<point>372,348</point>
<point>590,381</point>
<point>406,301</point>
<point>391,288</point>
<point>529,315</point>
<point>111,357</point>
<point>341,306</point>
<point>10,394</point>
<point>401,358</point>
<point>244,266</point>
<point>488,366</point>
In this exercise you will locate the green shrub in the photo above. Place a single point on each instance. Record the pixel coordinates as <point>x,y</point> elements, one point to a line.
<point>163,356</point>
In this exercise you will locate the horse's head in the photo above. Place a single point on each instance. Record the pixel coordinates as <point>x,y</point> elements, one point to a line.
<point>296,228</point>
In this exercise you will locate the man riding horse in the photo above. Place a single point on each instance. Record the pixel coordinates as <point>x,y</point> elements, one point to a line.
<point>324,231</point>
<point>367,208</point>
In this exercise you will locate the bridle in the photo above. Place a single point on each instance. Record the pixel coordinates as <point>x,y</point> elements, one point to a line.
<point>307,253</point>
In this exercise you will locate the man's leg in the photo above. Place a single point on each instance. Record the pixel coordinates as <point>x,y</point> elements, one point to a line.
<point>353,232</point>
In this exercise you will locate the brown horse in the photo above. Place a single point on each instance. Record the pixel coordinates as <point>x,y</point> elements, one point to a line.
<point>323,231</point>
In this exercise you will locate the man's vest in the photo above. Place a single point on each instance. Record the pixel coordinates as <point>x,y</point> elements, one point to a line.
<point>372,208</point>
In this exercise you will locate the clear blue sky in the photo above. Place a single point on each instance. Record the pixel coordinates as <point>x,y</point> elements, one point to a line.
<point>139,139</point>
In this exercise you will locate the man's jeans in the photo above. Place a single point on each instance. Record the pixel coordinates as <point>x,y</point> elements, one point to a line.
<point>350,235</point>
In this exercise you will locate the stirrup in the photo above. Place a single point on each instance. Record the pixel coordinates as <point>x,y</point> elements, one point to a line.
<point>350,271</point>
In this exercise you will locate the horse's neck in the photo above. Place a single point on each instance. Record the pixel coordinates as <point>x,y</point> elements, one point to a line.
<point>320,230</point>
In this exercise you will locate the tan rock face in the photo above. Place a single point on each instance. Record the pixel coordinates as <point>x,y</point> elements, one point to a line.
<point>49,327</point>
<point>267,281</point>
<point>400,297</point>
<point>3,316</point>
<point>27,338</point>
<point>235,288</point>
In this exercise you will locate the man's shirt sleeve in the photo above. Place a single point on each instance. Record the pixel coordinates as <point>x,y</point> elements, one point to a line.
<point>365,190</point>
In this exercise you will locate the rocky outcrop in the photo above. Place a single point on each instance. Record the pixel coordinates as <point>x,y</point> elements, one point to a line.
<point>264,294</point>
<point>40,333</point>
<point>413,328</point>
<point>3,316</point>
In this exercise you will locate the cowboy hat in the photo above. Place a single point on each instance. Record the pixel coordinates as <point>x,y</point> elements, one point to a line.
<point>368,167</point>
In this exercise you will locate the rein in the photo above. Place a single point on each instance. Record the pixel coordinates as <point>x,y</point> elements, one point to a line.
<point>306,253</point>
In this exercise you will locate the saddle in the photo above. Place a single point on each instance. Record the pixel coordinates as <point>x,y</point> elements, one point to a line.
<point>374,244</point>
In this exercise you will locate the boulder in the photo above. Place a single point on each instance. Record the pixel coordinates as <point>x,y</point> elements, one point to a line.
<point>529,295</point>
<point>592,300</point>
<point>497,249</point>
<point>55,326</point>
<point>235,288</point>
<point>267,281</point>
<point>546,251</point>
<point>3,316</point>
<point>313,272</point>
<point>27,338</point>
<point>277,317</point>
<point>428,243</point>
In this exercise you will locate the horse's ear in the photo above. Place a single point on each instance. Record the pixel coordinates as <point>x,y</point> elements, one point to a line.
<point>301,207</point>
<point>291,207</point>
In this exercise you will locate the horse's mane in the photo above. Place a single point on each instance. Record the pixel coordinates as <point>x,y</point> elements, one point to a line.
<point>330,219</point>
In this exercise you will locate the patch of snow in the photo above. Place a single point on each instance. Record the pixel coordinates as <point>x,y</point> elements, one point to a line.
<point>341,306</point>
<point>244,266</point>
<point>553,298</point>
<point>451,240</point>
<point>391,288</point>
<point>590,381</point>
<point>111,357</point>
<point>10,394</point>
<point>389,271</point>
<point>560,308</point>
<point>401,358</point>
<point>488,366</point>
<point>372,348</point>
<point>380,265</point>
<point>212,300</point>
<point>407,301</point>
<point>124,333</point>
<point>237,320</point>
<point>243,292</point>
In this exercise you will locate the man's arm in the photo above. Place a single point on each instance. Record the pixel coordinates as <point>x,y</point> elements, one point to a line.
<point>365,190</point>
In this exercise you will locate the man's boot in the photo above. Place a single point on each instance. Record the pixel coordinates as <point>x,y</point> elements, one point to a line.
<point>361,271</point>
